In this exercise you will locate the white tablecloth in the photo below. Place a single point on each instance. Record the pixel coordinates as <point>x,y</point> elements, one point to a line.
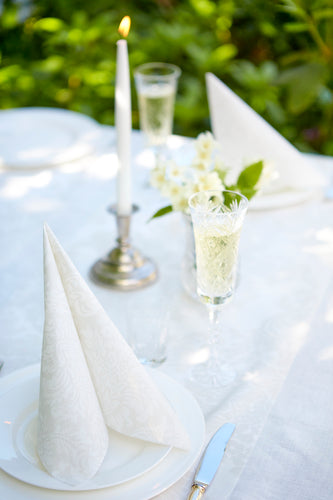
<point>278,329</point>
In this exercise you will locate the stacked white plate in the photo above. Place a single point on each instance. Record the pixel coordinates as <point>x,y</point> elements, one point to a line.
<point>32,138</point>
<point>132,468</point>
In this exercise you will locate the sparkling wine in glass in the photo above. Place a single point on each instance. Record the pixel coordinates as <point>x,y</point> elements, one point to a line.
<point>217,218</point>
<point>156,85</point>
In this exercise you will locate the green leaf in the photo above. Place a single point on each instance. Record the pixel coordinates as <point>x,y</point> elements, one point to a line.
<point>228,198</point>
<point>323,14</point>
<point>223,53</point>
<point>9,18</point>
<point>304,83</point>
<point>52,64</point>
<point>292,8</point>
<point>161,211</point>
<point>50,24</point>
<point>9,73</point>
<point>249,177</point>
<point>249,193</point>
<point>296,27</point>
<point>205,8</point>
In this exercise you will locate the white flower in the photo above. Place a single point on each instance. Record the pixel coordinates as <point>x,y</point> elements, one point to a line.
<point>172,190</point>
<point>219,164</point>
<point>165,189</point>
<point>205,144</point>
<point>268,174</point>
<point>220,168</point>
<point>209,181</point>
<point>201,163</point>
<point>205,172</point>
<point>180,204</point>
<point>157,177</point>
<point>178,196</point>
<point>175,172</point>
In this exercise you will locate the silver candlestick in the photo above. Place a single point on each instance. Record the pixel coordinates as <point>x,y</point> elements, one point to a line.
<point>124,267</point>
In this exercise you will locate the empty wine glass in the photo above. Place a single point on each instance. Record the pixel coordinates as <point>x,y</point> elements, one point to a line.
<point>156,85</point>
<point>217,222</point>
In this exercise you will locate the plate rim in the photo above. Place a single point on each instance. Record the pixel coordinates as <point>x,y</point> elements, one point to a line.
<point>83,122</point>
<point>168,462</point>
<point>282,199</point>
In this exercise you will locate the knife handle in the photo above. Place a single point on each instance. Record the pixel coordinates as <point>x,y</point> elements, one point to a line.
<point>197,492</point>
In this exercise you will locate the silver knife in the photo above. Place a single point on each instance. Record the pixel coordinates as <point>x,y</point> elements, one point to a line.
<point>210,461</point>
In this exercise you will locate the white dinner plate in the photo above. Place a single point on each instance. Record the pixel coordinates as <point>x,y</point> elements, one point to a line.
<point>44,137</point>
<point>281,199</point>
<point>128,460</point>
<point>291,197</point>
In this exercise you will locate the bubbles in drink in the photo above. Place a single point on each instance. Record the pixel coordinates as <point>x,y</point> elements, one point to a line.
<point>156,104</point>
<point>216,252</point>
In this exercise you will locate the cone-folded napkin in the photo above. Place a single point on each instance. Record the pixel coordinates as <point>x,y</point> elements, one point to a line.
<point>246,137</point>
<point>90,379</point>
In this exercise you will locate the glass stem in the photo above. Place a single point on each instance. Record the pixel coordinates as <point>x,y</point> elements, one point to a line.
<point>214,326</point>
<point>158,155</point>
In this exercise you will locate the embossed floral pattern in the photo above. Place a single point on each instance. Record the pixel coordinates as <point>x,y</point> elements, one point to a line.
<point>90,379</point>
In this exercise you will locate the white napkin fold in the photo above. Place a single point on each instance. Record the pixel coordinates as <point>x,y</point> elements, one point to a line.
<point>246,137</point>
<point>90,379</point>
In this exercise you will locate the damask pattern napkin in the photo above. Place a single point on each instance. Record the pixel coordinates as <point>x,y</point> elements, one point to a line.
<point>246,137</point>
<point>90,379</point>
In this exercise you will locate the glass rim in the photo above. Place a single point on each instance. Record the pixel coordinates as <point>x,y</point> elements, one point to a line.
<point>175,71</point>
<point>218,191</point>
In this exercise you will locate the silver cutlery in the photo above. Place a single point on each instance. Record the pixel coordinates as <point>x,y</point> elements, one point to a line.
<point>210,461</point>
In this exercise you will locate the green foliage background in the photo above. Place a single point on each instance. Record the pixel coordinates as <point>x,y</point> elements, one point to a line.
<point>276,54</point>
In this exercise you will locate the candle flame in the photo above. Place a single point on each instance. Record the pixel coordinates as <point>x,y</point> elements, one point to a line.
<point>124,26</point>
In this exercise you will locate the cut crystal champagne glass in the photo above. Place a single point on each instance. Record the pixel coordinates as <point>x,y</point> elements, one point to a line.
<point>217,218</point>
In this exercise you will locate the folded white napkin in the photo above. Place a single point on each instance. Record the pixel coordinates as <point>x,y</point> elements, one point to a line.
<point>90,379</point>
<point>246,137</point>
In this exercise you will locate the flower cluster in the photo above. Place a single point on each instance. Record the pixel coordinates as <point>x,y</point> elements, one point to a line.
<point>178,182</point>
<point>205,172</point>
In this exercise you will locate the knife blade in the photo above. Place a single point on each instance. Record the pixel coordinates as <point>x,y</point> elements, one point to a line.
<point>210,461</point>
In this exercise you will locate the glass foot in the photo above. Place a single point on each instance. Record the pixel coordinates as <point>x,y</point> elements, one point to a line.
<point>153,362</point>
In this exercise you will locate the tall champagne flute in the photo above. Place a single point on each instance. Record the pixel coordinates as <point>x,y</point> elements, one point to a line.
<point>156,85</point>
<point>217,218</point>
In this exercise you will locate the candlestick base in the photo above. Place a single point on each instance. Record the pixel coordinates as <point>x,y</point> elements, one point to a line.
<point>124,267</point>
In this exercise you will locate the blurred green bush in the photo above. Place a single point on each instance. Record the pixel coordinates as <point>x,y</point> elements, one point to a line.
<point>277,55</point>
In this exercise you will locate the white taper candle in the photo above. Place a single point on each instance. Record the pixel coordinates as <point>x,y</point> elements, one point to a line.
<point>123,122</point>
